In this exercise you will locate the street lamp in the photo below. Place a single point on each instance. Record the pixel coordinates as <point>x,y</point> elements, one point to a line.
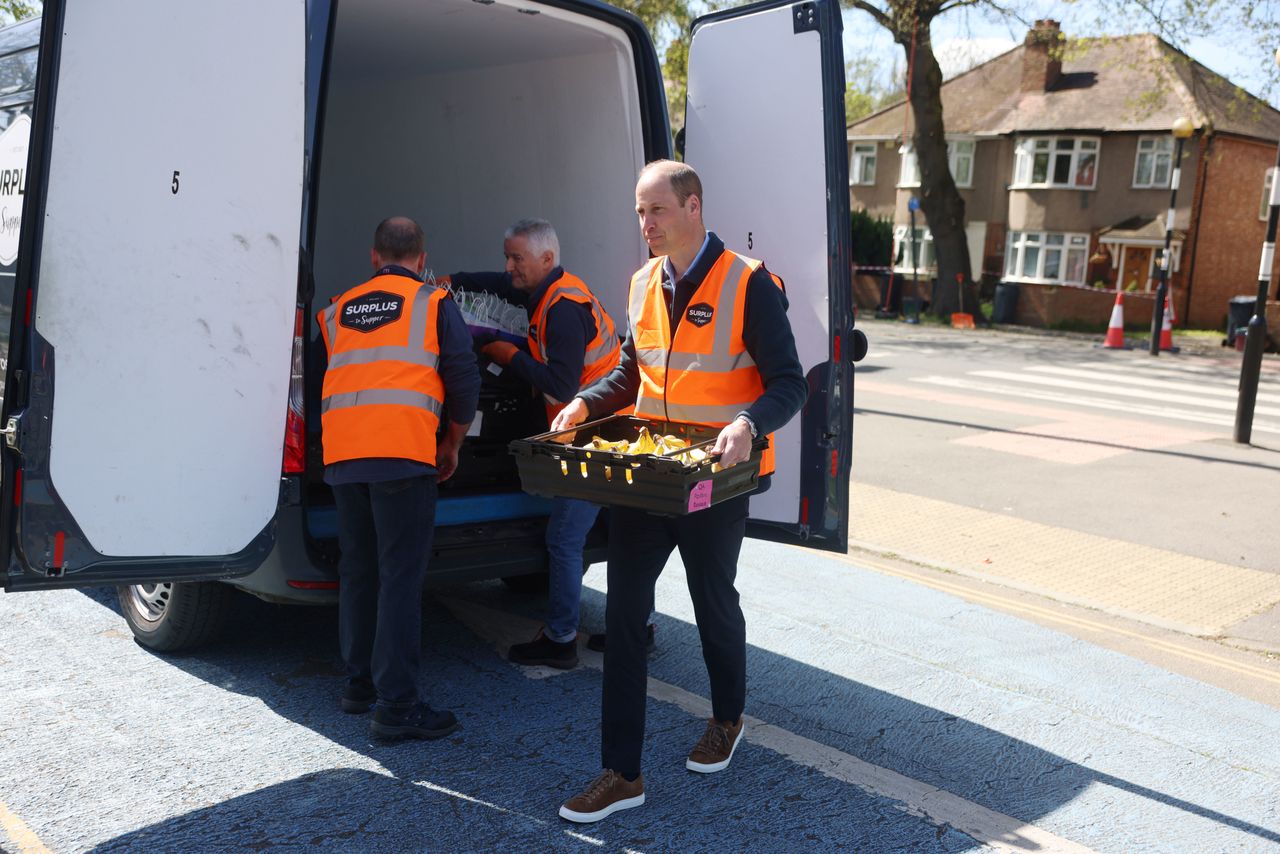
<point>1182,129</point>
<point>1256,335</point>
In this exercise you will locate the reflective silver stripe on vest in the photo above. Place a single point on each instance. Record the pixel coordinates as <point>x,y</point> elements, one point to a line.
<point>418,320</point>
<point>381,396</point>
<point>730,294</point>
<point>388,353</point>
<point>704,413</point>
<point>635,300</point>
<point>331,323</point>
<point>610,339</point>
<point>711,363</point>
<point>652,358</point>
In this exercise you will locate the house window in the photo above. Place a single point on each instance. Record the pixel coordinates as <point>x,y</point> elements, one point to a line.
<point>909,176</point>
<point>1264,209</point>
<point>1056,161</point>
<point>911,256</point>
<point>1046,257</point>
<point>862,163</point>
<point>1154,163</point>
<point>959,159</point>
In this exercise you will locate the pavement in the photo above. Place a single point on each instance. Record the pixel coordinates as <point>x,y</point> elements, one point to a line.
<point>1154,575</point>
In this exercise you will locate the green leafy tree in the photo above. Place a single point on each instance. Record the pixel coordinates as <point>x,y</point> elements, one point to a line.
<point>1255,23</point>
<point>17,10</point>
<point>870,84</point>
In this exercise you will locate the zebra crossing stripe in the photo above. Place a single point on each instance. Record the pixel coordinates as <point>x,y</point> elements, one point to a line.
<point>1126,406</point>
<point>1105,388</point>
<point>1169,385</point>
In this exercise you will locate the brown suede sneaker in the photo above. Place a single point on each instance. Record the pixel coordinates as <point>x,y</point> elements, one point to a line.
<point>714,750</point>
<point>607,794</point>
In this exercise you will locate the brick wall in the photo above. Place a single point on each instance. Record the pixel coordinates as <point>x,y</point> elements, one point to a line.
<point>1046,305</point>
<point>1226,251</point>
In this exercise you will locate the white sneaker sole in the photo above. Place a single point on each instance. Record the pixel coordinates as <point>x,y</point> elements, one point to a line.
<point>712,767</point>
<point>588,817</point>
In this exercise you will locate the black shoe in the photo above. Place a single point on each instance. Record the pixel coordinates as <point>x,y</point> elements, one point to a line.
<point>358,697</point>
<point>417,721</point>
<point>596,642</point>
<point>543,650</point>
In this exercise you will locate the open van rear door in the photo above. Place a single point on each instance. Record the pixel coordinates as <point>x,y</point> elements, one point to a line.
<point>156,291</point>
<point>764,127</point>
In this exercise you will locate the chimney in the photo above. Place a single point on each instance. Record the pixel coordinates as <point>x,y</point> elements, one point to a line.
<point>1041,64</point>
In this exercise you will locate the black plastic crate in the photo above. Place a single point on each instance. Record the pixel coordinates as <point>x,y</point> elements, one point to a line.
<point>551,465</point>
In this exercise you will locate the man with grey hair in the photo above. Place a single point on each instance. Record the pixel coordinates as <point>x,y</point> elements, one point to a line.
<point>571,344</point>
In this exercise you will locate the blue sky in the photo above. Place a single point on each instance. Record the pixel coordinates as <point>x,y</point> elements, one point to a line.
<point>959,35</point>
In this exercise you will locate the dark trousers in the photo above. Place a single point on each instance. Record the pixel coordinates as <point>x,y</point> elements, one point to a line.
<point>385,531</point>
<point>639,545</point>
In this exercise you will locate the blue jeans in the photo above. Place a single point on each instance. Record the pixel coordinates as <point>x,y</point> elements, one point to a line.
<point>567,529</point>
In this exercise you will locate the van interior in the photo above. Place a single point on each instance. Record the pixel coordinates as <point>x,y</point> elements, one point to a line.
<point>468,115</point>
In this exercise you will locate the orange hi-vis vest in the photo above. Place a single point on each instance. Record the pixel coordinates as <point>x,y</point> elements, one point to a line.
<point>603,351</point>
<point>382,394</point>
<point>701,373</point>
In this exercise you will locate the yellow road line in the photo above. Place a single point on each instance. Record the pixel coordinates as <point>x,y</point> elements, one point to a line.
<point>1011,604</point>
<point>19,834</point>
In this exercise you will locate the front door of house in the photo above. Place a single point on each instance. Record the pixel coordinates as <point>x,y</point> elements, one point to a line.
<point>1136,269</point>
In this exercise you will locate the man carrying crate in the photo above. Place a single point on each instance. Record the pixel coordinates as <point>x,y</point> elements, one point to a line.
<point>709,344</point>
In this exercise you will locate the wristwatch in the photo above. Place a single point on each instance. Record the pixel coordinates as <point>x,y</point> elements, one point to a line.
<point>751,425</point>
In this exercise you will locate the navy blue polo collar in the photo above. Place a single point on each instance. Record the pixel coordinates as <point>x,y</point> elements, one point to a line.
<point>541,290</point>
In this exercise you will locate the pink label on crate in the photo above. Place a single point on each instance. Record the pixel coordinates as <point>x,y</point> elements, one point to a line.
<point>700,496</point>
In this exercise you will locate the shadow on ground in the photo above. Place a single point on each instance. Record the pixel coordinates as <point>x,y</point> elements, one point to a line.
<point>526,744</point>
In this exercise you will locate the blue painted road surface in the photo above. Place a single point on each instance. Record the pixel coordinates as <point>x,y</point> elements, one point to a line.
<point>883,716</point>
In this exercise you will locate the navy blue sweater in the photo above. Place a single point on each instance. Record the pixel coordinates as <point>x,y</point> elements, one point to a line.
<point>457,369</point>
<point>766,332</point>
<point>569,328</point>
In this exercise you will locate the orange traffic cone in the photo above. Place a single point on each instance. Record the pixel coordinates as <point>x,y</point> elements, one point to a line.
<point>1115,329</point>
<point>1166,328</point>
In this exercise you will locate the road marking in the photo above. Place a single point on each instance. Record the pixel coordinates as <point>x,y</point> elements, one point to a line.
<point>1141,394</point>
<point>19,833</point>
<point>1130,407</point>
<point>928,578</point>
<point>540,822</point>
<point>1225,388</point>
<point>937,806</point>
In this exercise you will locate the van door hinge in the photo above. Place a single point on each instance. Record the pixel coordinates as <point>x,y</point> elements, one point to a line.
<point>10,433</point>
<point>804,18</point>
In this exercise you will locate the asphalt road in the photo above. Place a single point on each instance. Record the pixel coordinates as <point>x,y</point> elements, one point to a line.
<point>889,708</point>
<point>1058,431</point>
<point>883,716</point>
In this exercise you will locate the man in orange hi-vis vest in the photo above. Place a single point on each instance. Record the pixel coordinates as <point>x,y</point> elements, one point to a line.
<point>708,343</point>
<point>399,362</point>
<point>572,343</point>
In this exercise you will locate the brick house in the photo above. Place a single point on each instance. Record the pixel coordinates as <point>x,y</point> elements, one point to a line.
<point>1064,165</point>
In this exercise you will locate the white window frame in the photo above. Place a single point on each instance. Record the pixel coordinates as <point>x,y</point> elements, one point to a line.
<point>1264,208</point>
<point>1024,249</point>
<point>860,154</point>
<point>955,155</point>
<point>1077,150</point>
<point>909,168</point>
<point>924,245</point>
<point>909,174</point>
<point>1159,149</point>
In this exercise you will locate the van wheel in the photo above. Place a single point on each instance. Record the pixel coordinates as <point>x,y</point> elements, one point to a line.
<point>175,616</point>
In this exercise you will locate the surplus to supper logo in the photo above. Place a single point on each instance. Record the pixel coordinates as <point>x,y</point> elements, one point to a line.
<point>13,185</point>
<point>372,311</point>
<point>700,314</point>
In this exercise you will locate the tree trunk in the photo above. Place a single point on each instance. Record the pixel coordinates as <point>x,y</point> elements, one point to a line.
<point>939,199</point>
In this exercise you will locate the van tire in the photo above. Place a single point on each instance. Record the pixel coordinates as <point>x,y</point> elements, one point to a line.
<point>177,616</point>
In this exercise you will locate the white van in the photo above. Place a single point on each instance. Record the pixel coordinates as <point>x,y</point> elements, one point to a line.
<point>205,178</point>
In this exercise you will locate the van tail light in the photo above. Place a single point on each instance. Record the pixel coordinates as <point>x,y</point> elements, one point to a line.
<point>295,432</point>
